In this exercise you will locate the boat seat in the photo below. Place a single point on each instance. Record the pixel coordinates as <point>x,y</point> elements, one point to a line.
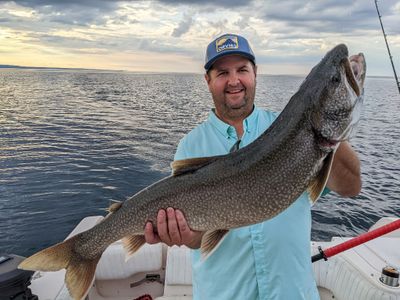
<point>113,264</point>
<point>355,273</point>
<point>178,277</point>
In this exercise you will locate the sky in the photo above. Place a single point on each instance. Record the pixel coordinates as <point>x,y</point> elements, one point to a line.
<point>287,36</point>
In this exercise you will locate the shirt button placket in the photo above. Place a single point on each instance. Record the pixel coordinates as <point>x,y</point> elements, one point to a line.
<point>259,256</point>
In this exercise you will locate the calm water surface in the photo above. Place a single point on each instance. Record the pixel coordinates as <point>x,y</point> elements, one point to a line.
<point>71,142</point>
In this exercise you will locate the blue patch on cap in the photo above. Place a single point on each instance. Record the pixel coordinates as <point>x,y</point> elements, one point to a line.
<point>226,43</point>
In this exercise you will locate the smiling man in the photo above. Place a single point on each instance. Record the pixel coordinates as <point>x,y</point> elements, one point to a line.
<point>232,83</point>
<point>269,260</point>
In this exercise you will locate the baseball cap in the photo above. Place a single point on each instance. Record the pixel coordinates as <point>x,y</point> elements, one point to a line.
<point>228,44</point>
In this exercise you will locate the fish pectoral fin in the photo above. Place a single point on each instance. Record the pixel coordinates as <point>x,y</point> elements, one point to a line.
<point>80,271</point>
<point>211,239</point>
<point>183,166</point>
<point>132,243</point>
<point>317,186</point>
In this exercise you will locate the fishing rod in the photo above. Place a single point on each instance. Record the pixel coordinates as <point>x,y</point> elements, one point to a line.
<point>387,45</point>
<point>361,239</point>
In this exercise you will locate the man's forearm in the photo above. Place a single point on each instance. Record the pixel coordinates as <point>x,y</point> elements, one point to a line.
<point>345,177</point>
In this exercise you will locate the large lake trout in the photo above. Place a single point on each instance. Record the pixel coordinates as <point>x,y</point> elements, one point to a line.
<point>245,187</point>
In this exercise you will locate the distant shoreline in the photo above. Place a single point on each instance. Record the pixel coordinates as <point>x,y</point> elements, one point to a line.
<point>55,68</point>
<point>138,72</point>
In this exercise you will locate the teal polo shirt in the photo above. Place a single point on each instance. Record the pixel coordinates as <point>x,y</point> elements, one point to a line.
<point>269,260</point>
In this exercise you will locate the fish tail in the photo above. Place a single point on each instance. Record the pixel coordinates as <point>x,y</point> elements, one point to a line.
<point>80,271</point>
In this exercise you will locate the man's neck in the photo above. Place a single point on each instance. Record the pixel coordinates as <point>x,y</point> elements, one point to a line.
<point>239,128</point>
<point>235,123</point>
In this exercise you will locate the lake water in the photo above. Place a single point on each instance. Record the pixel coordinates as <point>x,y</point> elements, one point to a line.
<point>71,142</point>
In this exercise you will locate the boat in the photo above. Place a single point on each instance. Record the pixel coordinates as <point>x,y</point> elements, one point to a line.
<point>164,273</point>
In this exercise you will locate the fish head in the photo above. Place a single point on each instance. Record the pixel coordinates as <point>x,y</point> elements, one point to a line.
<point>338,100</point>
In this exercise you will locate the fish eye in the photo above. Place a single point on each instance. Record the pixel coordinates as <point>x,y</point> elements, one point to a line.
<point>335,79</point>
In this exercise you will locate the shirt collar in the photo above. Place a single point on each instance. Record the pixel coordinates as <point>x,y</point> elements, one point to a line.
<point>227,130</point>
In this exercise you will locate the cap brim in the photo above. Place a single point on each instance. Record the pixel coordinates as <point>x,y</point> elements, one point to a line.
<point>209,64</point>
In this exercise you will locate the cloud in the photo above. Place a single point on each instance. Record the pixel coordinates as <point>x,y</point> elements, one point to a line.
<point>102,4</point>
<point>220,3</point>
<point>322,16</point>
<point>73,12</point>
<point>280,32</point>
<point>183,26</point>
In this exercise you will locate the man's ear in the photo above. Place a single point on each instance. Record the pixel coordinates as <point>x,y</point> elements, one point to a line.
<point>207,78</point>
<point>255,70</point>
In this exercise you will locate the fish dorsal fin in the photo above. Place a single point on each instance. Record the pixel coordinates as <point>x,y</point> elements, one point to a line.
<point>113,208</point>
<point>211,240</point>
<point>317,186</point>
<point>183,166</point>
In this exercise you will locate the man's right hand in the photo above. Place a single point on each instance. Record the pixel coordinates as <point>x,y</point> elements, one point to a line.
<point>172,229</point>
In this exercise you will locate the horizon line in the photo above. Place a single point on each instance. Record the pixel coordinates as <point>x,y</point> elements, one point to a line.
<point>3,66</point>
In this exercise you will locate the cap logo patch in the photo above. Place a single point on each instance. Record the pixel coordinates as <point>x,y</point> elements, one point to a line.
<point>226,42</point>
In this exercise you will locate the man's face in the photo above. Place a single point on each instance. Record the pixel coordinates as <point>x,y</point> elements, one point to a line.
<point>232,83</point>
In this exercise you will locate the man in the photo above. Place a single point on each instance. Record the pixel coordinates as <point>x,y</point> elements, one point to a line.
<point>270,260</point>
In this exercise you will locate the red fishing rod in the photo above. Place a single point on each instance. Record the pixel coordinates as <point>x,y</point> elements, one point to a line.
<point>363,238</point>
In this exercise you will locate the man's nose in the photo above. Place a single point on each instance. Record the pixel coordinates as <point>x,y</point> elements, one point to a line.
<point>233,79</point>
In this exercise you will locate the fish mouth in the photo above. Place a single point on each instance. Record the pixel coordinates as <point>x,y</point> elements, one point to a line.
<point>327,144</point>
<point>355,67</point>
<point>346,113</point>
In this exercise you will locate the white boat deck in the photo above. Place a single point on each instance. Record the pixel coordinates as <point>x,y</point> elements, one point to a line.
<point>165,272</point>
